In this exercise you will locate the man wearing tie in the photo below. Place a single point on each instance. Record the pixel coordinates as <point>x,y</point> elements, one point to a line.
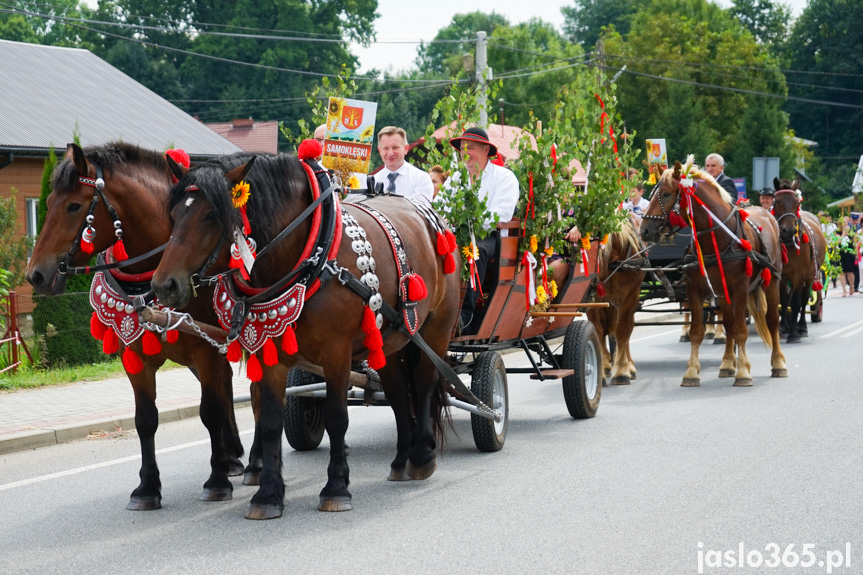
<point>398,176</point>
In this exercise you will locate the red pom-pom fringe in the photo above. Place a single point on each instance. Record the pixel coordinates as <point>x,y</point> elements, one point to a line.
<point>377,359</point>
<point>86,247</point>
<point>744,215</point>
<point>97,328</point>
<point>600,289</point>
<point>119,251</point>
<point>271,354</point>
<point>237,263</point>
<point>417,289</point>
<point>784,254</point>
<point>369,322</point>
<point>235,352</point>
<point>152,345</point>
<point>805,238</point>
<point>448,264</point>
<point>676,220</point>
<point>442,245</point>
<point>749,267</point>
<point>746,245</point>
<point>374,342</point>
<point>310,150</point>
<point>289,341</point>
<point>253,369</point>
<point>817,286</point>
<point>132,362</point>
<point>373,339</point>
<point>765,275</point>
<point>450,238</point>
<point>110,343</point>
<point>172,336</point>
<point>180,156</point>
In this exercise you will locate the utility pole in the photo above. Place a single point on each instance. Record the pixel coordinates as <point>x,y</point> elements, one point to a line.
<point>481,72</point>
<point>600,59</point>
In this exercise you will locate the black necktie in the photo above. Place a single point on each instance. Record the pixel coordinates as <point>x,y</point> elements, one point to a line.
<point>392,178</point>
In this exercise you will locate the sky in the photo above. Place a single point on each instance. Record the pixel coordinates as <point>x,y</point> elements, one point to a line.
<point>398,21</point>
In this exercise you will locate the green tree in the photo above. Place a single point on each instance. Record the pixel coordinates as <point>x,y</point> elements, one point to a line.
<point>766,20</point>
<point>45,190</point>
<point>444,59</point>
<point>14,246</point>
<point>583,22</point>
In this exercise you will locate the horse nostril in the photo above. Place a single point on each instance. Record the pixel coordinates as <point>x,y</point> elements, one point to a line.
<point>36,279</point>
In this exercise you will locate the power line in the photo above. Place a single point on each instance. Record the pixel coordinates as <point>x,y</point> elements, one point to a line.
<point>544,71</point>
<point>684,63</point>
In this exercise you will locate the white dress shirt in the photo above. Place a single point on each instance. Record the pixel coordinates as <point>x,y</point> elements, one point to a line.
<point>411,182</point>
<point>638,208</point>
<point>499,187</point>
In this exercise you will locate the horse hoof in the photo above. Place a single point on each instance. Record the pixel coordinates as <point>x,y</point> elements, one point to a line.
<point>690,382</point>
<point>779,373</point>
<point>335,504</point>
<point>719,341</point>
<point>727,373</point>
<point>709,335</point>
<point>620,380</point>
<point>633,375</point>
<point>422,472</point>
<point>398,474</point>
<point>216,494</point>
<point>747,382</point>
<point>251,478</point>
<point>150,503</point>
<point>684,339</point>
<point>235,468</point>
<point>793,339</point>
<point>260,512</point>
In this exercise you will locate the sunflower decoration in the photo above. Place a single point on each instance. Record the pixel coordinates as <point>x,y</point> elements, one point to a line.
<point>470,252</point>
<point>334,111</point>
<point>354,182</point>
<point>534,244</point>
<point>549,251</point>
<point>240,194</point>
<point>552,287</point>
<point>541,295</point>
<point>367,134</point>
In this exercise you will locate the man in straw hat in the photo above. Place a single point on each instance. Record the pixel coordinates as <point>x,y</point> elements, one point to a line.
<point>499,188</point>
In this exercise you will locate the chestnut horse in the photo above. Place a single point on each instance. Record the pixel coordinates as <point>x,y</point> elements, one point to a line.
<point>734,252</point>
<point>619,264</point>
<point>329,334</point>
<point>136,182</point>
<point>805,248</point>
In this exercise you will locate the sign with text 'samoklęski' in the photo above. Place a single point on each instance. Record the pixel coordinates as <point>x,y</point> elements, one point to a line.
<point>349,139</point>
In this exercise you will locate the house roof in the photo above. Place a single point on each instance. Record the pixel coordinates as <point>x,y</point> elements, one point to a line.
<point>250,135</point>
<point>504,138</point>
<point>48,92</point>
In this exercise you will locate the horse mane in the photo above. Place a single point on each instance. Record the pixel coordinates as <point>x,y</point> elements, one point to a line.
<point>272,190</point>
<point>628,237</point>
<point>698,174</point>
<point>109,157</point>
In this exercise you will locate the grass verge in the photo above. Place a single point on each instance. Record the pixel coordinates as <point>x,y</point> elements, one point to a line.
<point>29,377</point>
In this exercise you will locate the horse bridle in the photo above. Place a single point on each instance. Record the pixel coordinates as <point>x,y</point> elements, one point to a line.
<point>675,208</point>
<point>788,214</point>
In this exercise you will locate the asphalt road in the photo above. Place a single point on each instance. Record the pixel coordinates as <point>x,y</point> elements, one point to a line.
<point>662,478</point>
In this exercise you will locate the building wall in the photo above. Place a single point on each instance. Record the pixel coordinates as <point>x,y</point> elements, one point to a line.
<point>25,175</point>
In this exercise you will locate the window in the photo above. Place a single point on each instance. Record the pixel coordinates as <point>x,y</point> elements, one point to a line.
<point>31,209</point>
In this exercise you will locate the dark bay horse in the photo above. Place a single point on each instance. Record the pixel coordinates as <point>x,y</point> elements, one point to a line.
<point>330,330</point>
<point>619,266</point>
<point>805,247</point>
<point>136,183</point>
<point>737,250</point>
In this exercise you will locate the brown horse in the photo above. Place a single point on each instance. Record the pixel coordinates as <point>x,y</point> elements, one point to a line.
<point>734,254</point>
<point>330,332</point>
<point>619,266</point>
<point>805,248</point>
<point>135,187</point>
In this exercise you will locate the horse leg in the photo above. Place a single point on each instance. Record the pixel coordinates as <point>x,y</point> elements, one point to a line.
<point>215,407</point>
<point>784,307</point>
<point>684,334</point>
<point>269,501</point>
<point>624,368</point>
<point>739,332</point>
<point>597,316</point>
<point>422,460</point>
<point>222,390</point>
<point>696,332</point>
<point>710,327</point>
<point>805,294</point>
<point>394,380</point>
<point>148,495</point>
<point>335,495</point>
<point>728,367</point>
<point>252,473</point>
<point>793,329</point>
<point>719,335</point>
<point>777,358</point>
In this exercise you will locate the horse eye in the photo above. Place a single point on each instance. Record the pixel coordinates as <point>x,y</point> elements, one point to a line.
<point>73,208</point>
<point>666,194</point>
<point>211,215</point>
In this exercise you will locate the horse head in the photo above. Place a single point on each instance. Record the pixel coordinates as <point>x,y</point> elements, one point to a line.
<point>786,208</point>
<point>84,185</point>
<point>664,201</point>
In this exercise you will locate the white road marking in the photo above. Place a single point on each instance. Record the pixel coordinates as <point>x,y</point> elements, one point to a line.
<point>845,328</point>
<point>654,335</point>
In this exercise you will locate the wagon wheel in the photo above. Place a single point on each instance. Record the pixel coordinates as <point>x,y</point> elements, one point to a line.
<point>816,306</point>
<point>304,416</point>
<point>582,390</point>
<point>488,383</point>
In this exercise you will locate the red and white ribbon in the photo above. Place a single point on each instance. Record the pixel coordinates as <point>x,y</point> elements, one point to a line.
<point>529,264</point>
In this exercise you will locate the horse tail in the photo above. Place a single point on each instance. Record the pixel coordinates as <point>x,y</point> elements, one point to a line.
<point>441,417</point>
<point>757,306</point>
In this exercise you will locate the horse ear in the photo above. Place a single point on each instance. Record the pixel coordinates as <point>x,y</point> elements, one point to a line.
<point>238,173</point>
<point>177,169</point>
<point>794,185</point>
<point>76,154</point>
<point>776,184</point>
<point>677,168</point>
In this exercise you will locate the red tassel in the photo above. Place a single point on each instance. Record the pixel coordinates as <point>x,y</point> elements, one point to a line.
<point>271,354</point>
<point>817,286</point>
<point>253,369</point>
<point>247,227</point>
<point>119,251</point>
<point>369,322</point>
<point>765,275</point>
<point>450,238</point>
<point>784,254</point>
<point>289,341</point>
<point>97,328</point>
<point>417,289</point>
<point>374,340</point>
<point>805,238</point>
<point>172,336</point>
<point>600,289</point>
<point>86,247</point>
<point>235,352</point>
<point>746,245</point>
<point>744,215</point>
<point>442,245</point>
<point>749,267</point>
<point>110,343</point>
<point>152,345</point>
<point>377,359</point>
<point>237,263</point>
<point>132,362</point>
<point>310,150</point>
<point>449,264</point>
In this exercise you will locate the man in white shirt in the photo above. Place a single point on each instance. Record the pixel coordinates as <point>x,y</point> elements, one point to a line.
<point>499,187</point>
<point>320,135</point>
<point>398,176</point>
<point>636,202</point>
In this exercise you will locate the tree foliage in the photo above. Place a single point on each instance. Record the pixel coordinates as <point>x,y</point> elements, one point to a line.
<point>14,247</point>
<point>583,22</point>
